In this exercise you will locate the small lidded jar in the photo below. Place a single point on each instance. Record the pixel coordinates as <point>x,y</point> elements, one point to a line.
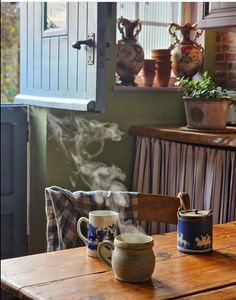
<point>194,234</point>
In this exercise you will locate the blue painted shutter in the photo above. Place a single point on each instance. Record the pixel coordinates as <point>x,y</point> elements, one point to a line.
<point>52,72</point>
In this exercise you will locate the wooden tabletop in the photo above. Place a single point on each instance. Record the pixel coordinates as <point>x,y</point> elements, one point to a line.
<point>71,274</point>
<point>177,133</point>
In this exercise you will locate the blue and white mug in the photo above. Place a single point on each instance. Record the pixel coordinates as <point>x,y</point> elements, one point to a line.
<point>102,225</point>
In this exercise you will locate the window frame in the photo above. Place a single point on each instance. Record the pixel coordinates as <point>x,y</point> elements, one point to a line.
<point>53,31</point>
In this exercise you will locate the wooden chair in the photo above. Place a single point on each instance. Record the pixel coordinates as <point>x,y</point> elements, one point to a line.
<point>161,208</point>
<point>63,208</point>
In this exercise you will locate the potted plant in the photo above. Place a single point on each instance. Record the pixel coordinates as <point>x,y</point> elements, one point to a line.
<point>206,105</point>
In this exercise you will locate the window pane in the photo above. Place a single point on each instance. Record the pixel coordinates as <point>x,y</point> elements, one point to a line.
<point>126,10</point>
<point>55,15</point>
<point>155,11</point>
<point>154,37</point>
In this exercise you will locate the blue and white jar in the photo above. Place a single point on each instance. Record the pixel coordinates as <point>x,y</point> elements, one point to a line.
<point>194,234</point>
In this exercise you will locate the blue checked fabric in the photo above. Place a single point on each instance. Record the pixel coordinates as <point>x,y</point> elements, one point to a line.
<point>64,208</point>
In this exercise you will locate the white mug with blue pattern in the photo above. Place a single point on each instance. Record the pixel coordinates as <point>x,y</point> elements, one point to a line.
<point>102,225</point>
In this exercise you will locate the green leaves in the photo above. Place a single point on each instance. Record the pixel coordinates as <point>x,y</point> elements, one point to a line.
<point>201,89</point>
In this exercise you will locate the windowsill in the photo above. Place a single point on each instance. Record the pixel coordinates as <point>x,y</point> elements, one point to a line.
<point>118,88</point>
<point>53,102</point>
<point>140,87</point>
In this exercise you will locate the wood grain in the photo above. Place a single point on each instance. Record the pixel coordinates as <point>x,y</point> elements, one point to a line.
<point>71,274</point>
<point>225,293</point>
<point>161,208</point>
<point>174,133</point>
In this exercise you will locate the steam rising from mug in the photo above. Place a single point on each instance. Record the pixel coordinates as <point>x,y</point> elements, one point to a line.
<point>75,135</point>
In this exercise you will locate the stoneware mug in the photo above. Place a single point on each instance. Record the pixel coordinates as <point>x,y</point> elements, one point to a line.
<point>102,225</point>
<point>132,258</point>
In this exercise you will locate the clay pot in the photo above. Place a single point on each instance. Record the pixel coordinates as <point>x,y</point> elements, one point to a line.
<point>163,66</point>
<point>206,113</point>
<point>163,71</point>
<point>148,78</point>
<point>148,72</point>
<point>161,54</point>
<point>149,65</point>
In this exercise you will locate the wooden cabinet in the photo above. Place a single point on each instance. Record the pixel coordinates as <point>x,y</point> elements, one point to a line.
<point>217,15</point>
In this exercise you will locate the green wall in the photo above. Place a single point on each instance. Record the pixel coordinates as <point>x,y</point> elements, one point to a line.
<point>124,108</point>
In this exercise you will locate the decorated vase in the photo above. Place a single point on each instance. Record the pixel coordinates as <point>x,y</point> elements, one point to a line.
<point>187,55</point>
<point>129,55</point>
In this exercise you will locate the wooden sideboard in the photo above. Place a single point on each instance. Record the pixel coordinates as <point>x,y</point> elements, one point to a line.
<point>172,159</point>
<point>223,138</point>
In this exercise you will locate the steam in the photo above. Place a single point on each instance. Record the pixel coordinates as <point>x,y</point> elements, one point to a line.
<point>75,136</point>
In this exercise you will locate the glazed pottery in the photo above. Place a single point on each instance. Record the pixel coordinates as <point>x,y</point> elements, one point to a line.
<point>102,225</point>
<point>194,233</point>
<point>129,55</point>
<point>187,55</point>
<point>206,113</point>
<point>132,259</point>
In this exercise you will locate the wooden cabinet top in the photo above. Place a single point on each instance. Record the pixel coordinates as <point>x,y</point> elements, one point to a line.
<point>223,139</point>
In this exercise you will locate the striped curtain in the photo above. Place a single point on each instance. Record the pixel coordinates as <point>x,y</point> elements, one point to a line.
<point>207,174</point>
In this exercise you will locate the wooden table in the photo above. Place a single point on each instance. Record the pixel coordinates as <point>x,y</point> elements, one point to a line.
<point>71,274</point>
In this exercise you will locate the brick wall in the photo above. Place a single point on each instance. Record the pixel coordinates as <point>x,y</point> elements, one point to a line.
<point>225,61</point>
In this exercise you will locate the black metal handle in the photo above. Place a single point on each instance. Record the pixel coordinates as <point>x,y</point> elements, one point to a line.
<point>77,44</point>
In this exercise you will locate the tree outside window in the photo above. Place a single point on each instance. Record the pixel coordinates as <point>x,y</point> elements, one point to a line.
<point>10,43</point>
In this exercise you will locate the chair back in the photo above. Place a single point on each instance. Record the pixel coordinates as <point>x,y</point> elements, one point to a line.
<point>161,208</point>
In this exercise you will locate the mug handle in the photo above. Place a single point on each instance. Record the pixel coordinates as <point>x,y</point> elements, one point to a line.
<point>101,251</point>
<point>80,221</point>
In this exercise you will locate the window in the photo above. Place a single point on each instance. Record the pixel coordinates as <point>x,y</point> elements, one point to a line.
<point>54,18</point>
<point>155,18</point>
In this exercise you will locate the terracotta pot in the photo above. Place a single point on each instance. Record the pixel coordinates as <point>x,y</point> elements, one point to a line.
<point>206,114</point>
<point>163,71</point>
<point>148,78</point>
<point>148,72</point>
<point>163,66</point>
<point>149,65</point>
<point>164,53</point>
